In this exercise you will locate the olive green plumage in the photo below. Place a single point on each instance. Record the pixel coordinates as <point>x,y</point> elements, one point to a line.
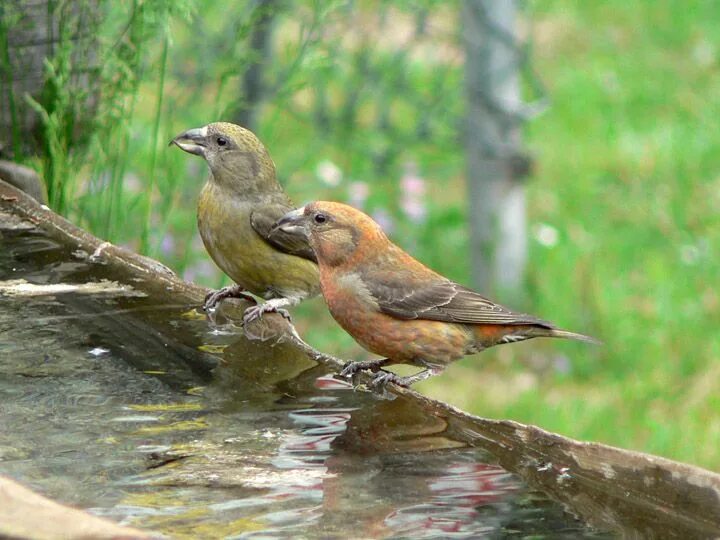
<point>237,208</point>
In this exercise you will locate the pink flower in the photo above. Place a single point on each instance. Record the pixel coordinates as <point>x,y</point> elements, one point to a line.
<point>413,186</point>
<point>358,193</point>
<point>415,210</point>
<point>384,219</point>
<point>413,189</point>
<point>411,182</point>
<point>167,246</point>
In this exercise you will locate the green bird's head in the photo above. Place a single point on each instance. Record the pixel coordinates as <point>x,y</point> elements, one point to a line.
<point>236,157</point>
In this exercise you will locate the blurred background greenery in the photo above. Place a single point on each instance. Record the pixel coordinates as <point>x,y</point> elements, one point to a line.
<point>363,102</point>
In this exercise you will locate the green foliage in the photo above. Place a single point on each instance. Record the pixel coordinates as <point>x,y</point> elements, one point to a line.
<point>57,122</point>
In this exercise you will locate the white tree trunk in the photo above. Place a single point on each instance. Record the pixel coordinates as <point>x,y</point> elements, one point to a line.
<point>492,143</point>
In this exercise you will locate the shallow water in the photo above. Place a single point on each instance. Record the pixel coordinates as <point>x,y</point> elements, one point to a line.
<point>138,409</point>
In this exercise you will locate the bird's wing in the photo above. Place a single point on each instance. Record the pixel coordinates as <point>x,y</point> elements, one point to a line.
<point>262,220</point>
<point>441,300</point>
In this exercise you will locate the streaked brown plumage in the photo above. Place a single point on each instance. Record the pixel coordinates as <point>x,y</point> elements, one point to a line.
<point>395,306</point>
<point>237,208</point>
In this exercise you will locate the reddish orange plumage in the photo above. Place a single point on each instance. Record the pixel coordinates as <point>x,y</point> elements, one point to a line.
<point>395,306</point>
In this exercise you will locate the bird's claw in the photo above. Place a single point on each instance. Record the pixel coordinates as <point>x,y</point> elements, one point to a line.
<point>213,298</point>
<point>352,368</point>
<point>253,313</point>
<point>382,378</point>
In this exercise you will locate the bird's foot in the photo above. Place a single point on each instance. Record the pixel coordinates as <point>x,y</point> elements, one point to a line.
<point>351,368</point>
<point>253,313</point>
<point>233,291</point>
<point>381,379</point>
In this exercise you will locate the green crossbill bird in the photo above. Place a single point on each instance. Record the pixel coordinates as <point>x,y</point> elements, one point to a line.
<point>238,206</point>
<point>395,306</point>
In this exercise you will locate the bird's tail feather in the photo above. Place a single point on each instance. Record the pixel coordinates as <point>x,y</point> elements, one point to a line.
<point>555,332</point>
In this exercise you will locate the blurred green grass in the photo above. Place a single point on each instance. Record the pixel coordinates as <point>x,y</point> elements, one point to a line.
<point>627,186</point>
<point>629,174</point>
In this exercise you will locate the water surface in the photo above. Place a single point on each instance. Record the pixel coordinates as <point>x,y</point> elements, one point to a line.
<point>128,403</point>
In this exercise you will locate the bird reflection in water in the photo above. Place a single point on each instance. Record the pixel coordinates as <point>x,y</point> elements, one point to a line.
<point>454,502</point>
<point>410,485</point>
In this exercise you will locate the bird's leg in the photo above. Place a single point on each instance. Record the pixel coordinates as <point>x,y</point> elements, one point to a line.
<point>233,291</point>
<point>351,368</point>
<point>381,379</point>
<point>275,305</point>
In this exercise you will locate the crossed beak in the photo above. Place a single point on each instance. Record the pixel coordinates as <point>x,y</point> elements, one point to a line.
<point>193,141</point>
<point>293,222</point>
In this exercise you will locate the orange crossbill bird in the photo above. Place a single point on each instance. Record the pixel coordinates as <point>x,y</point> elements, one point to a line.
<point>396,307</point>
<point>238,206</point>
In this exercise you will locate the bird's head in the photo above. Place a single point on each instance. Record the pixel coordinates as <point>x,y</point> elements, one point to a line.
<point>338,233</point>
<point>236,157</point>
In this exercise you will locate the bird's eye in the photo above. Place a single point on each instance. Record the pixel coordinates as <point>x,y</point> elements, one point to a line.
<point>221,141</point>
<point>320,218</point>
